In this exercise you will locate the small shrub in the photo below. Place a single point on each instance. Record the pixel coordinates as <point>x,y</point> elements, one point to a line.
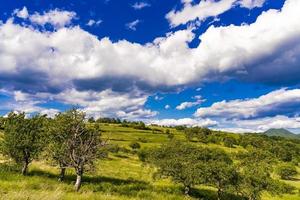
<point>171,136</point>
<point>135,145</point>
<point>287,171</point>
<point>143,140</point>
<point>113,148</point>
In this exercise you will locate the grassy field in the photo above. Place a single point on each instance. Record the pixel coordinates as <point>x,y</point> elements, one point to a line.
<point>120,176</point>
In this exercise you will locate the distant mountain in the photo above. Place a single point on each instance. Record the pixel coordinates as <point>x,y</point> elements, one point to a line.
<point>281,132</point>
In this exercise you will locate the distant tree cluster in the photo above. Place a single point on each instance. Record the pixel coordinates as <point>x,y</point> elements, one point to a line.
<point>193,165</point>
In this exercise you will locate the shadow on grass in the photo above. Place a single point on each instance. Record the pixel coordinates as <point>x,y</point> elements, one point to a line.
<point>86,179</point>
<point>125,187</point>
<point>207,194</point>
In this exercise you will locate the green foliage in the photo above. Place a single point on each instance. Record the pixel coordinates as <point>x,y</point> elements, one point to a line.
<point>229,141</point>
<point>201,134</point>
<point>23,138</point>
<point>190,165</point>
<point>287,171</point>
<point>109,120</point>
<point>2,120</point>
<point>73,143</point>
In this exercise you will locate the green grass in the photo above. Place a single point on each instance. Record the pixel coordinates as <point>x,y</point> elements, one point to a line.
<point>120,176</point>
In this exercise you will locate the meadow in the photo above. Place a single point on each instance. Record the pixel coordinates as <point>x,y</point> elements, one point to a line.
<point>119,176</point>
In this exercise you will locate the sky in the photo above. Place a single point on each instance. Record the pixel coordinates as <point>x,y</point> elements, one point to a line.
<point>230,65</point>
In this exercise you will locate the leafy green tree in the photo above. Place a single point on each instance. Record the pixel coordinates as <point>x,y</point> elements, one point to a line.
<point>201,134</point>
<point>219,172</point>
<point>287,171</point>
<point>23,138</point>
<point>74,143</point>
<point>229,142</point>
<point>255,170</point>
<point>91,120</point>
<point>175,160</point>
<point>191,165</point>
<point>58,134</point>
<point>2,120</point>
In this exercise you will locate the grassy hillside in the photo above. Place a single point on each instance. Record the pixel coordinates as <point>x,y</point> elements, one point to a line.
<point>120,176</point>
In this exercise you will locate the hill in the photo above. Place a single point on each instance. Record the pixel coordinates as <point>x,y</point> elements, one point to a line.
<point>281,133</point>
<point>121,176</point>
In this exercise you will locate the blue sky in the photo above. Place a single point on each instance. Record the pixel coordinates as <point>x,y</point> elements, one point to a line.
<point>229,64</point>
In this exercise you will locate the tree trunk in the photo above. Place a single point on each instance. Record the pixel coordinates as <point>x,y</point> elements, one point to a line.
<point>25,167</point>
<point>187,190</point>
<point>79,173</point>
<point>62,174</point>
<point>219,193</point>
<point>78,183</point>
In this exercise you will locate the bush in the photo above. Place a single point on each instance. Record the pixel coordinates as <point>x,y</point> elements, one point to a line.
<point>135,145</point>
<point>287,171</point>
<point>113,148</point>
<point>143,140</point>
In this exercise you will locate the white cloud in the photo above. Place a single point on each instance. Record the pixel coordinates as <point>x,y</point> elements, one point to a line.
<point>185,122</point>
<point>165,62</point>
<point>273,103</point>
<point>185,105</point>
<point>21,13</point>
<point>201,11</point>
<point>57,18</point>
<point>140,5</point>
<point>132,25</point>
<point>92,22</point>
<point>261,124</point>
<point>98,104</point>
<point>167,107</point>
<point>72,59</point>
<point>251,3</point>
<point>207,8</point>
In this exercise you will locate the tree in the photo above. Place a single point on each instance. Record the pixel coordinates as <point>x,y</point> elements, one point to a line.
<point>58,135</point>
<point>2,120</point>
<point>287,171</point>
<point>229,141</point>
<point>74,143</point>
<point>23,138</point>
<point>191,165</point>
<point>255,174</point>
<point>175,160</point>
<point>91,120</point>
<point>219,172</point>
<point>197,132</point>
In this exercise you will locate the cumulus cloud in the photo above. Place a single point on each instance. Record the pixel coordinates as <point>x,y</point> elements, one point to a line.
<point>37,61</point>
<point>278,102</point>
<point>185,105</point>
<point>262,124</point>
<point>207,8</point>
<point>200,11</point>
<point>251,3</point>
<point>57,18</point>
<point>21,13</point>
<point>97,104</point>
<point>140,5</point>
<point>185,122</point>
